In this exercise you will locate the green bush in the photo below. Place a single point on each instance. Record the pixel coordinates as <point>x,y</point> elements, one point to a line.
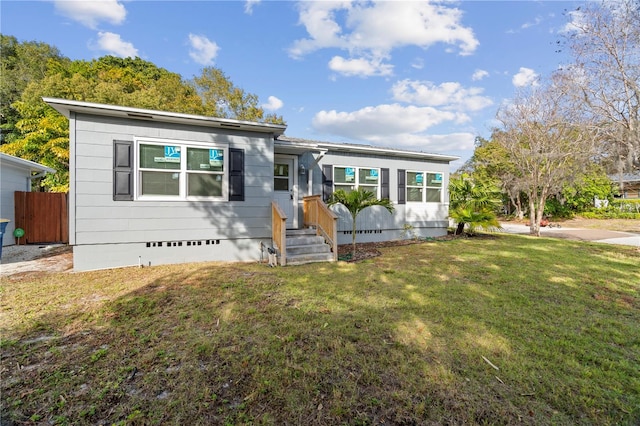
<point>620,208</point>
<point>603,214</point>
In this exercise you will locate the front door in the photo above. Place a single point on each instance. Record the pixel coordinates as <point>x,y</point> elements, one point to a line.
<point>285,188</point>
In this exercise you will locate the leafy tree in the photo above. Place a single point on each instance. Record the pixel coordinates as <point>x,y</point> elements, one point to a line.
<point>20,64</point>
<point>223,99</point>
<point>590,184</point>
<point>491,162</point>
<point>474,203</point>
<point>355,202</point>
<point>46,141</point>
<point>38,133</point>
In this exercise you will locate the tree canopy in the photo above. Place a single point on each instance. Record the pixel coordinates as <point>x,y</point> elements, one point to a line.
<point>34,131</point>
<point>604,39</point>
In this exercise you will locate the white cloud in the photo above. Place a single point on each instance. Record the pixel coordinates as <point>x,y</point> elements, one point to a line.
<point>535,22</point>
<point>90,13</point>
<point>525,77</point>
<point>451,142</point>
<point>449,95</point>
<point>249,5</point>
<point>273,104</point>
<point>359,67</point>
<point>577,20</point>
<point>479,75</point>
<point>114,45</point>
<point>418,63</point>
<point>372,30</point>
<point>203,50</point>
<point>385,125</point>
<point>394,126</point>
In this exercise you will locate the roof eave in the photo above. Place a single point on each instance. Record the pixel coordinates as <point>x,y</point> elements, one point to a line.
<point>65,107</point>
<point>27,164</point>
<point>318,145</point>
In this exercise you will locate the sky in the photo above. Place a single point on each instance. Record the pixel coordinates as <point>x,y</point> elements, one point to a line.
<point>419,75</point>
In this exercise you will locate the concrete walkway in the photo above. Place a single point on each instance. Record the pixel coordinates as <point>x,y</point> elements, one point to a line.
<point>580,234</point>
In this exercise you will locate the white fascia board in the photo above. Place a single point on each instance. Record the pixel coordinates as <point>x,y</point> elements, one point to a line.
<point>25,164</point>
<point>65,107</point>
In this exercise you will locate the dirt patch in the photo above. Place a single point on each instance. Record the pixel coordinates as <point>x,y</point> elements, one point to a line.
<point>18,261</point>
<point>371,250</point>
<point>620,225</point>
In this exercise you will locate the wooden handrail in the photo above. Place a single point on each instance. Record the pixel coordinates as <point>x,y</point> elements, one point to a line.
<point>318,215</point>
<point>279,231</point>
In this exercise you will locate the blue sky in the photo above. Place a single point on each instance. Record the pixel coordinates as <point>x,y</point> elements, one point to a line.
<point>421,75</point>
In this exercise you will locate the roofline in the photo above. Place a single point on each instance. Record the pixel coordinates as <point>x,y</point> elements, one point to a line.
<point>365,149</point>
<point>31,165</point>
<point>66,106</point>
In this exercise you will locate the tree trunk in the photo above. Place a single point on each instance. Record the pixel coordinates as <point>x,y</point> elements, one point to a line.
<point>353,250</point>
<point>534,220</point>
<point>519,211</point>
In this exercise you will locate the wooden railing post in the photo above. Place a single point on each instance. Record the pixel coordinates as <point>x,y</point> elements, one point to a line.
<point>318,215</point>
<point>279,231</point>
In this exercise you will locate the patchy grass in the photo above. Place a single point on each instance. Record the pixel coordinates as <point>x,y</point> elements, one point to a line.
<point>498,330</point>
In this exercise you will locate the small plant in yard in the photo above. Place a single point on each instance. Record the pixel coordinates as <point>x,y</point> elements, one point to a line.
<point>473,203</point>
<point>408,231</point>
<point>468,331</point>
<point>355,202</point>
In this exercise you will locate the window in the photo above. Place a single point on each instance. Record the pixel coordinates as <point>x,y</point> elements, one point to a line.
<point>173,170</point>
<point>424,187</point>
<point>281,176</point>
<point>352,178</point>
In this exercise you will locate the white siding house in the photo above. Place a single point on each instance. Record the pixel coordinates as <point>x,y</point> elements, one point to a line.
<point>16,174</point>
<point>153,187</point>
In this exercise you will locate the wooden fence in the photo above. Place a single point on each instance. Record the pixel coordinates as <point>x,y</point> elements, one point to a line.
<point>44,217</point>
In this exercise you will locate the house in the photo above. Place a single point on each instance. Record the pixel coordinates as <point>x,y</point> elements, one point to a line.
<point>16,175</point>
<point>153,187</point>
<point>630,185</point>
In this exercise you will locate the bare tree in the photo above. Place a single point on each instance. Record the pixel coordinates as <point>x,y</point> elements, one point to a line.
<point>604,38</point>
<point>546,140</point>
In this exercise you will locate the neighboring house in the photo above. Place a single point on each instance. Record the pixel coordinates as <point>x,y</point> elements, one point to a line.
<point>630,184</point>
<point>154,187</point>
<point>16,175</point>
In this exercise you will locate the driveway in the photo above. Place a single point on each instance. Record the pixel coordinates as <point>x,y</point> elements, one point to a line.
<point>580,234</point>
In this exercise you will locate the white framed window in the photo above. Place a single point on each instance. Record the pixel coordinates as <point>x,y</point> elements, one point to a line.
<point>424,187</point>
<point>180,170</point>
<point>351,178</point>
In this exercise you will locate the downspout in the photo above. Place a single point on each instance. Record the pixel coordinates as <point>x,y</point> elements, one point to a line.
<point>36,176</point>
<point>311,167</point>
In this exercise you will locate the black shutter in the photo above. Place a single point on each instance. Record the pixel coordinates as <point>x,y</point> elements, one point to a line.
<point>236,174</point>
<point>327,182</point>
<point>384,184</point>
<point>402,186</point>
<point>122,170</point>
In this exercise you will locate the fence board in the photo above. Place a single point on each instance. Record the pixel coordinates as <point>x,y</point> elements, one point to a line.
<point>44,216</point>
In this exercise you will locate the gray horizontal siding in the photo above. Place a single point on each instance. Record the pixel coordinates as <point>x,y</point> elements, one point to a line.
<point>100,220</point>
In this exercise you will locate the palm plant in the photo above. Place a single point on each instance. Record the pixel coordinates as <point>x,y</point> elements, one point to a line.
<point>355,202</point>
<point>473,203</point>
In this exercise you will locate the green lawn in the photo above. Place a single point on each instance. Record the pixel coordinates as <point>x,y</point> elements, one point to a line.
<point>493,330</point>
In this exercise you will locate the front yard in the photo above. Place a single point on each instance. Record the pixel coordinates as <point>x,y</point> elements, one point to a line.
<point>495,330</point>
